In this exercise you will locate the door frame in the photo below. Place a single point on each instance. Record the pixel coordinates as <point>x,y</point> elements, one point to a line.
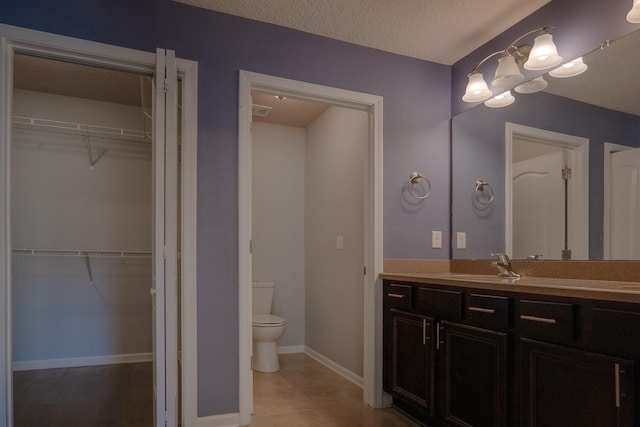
<point>578,198</point>
<point>15,39</point>
<point>372,360</point>
<point>609,149</point>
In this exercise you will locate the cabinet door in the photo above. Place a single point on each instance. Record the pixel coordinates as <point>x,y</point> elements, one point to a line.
<point>412,359</point>
<point>566,387</point>
<point>473,376</point>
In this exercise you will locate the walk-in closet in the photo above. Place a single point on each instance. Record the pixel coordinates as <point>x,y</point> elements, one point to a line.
<point>81,237</point>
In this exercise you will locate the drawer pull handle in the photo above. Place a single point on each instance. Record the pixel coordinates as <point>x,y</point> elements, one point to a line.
<point>538,319</point>
<point>391,295</point>
<point>482,310</point>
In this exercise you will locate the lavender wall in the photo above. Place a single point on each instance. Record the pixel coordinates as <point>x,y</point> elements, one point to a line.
<point>416,136</point>
<point>478,153</point>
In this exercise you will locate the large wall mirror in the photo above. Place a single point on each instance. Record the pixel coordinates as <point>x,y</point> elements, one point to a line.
<point>561,166</point>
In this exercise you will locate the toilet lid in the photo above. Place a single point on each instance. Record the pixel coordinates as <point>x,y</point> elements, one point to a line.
<point>267,320</point>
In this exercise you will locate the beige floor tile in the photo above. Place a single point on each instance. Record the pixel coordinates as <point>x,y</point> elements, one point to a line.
<point>310,418</point>
<point>305,393</point>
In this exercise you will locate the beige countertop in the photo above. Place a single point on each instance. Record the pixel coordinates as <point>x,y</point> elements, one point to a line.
<point>578,288</point>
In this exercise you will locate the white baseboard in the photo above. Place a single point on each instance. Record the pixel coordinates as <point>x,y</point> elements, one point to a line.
<point>287,349</point>
<point>224,420</point>
<point>343,372</point>
<point>71,362</point>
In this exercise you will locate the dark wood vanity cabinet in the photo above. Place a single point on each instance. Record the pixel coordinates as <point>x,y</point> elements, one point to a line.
<point>461,356</point>
<point>473,376</point>
<point>412,363</point>
<point>568,387</point>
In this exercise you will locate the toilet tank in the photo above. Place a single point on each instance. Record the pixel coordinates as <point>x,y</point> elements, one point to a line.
<point>262,297</point>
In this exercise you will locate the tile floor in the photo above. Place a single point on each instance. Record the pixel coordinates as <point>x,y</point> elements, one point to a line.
<point>306,393</point>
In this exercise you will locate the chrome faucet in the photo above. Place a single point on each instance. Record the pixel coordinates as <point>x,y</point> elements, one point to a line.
<point>504,265</point>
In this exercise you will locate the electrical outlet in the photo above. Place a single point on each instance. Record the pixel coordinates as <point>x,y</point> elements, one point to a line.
<point>339,243</point>
<point>461,240</point>
<point>436,239</point>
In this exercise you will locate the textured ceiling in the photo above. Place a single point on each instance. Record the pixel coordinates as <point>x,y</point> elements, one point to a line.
<point>441,31</point>
<point>611,81</point>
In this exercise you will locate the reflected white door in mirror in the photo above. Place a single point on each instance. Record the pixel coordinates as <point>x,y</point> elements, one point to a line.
<point>622,202</point>
<point>546,194</point>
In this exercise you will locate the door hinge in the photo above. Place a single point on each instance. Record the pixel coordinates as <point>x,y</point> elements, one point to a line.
<point>566,173</point>
<point>251,246</point>
<point>365,270</point>
<point>166,85</point>
<point>166,418</point>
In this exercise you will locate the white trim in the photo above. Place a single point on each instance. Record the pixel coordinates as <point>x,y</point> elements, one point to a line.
<point>609,148</point>
<point>578,201</point>
<point>72,362</point>
<point>290,349</point>
<point>372,363</point>
<point>343,372</point>
<point>189,232</point>
<point>224,420</point>
<point>15,39</point>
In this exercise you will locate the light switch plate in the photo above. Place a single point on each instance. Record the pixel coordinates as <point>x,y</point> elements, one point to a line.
<point>461,240</point>
<point>339,243</point>
<point>436,239</point>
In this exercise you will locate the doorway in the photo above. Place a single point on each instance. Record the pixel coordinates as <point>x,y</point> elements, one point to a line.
<point>18,41</point>
<point>529,152</point>
<point>81,200</point>
<point>372,386</point>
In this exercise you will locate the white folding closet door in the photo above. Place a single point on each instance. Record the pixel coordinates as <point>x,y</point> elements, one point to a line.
<point>165,253</point>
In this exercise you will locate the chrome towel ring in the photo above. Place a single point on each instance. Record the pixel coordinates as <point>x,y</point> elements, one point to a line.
<point>414,179</point>
<point>480,191</point>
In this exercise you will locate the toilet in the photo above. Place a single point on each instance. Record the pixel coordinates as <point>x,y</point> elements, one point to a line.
<point>267,328</point>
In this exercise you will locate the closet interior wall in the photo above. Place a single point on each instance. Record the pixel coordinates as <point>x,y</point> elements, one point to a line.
<point>81,231</point>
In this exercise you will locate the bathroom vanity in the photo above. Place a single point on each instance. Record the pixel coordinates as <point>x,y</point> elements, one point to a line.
<point>476,350</point>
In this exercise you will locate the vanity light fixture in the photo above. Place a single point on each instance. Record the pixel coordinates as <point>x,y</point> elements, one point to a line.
<point>570,69</point>
<point>542,55</point>
<point>634,14</point>
<point>501,100</point>
<point>477,89</point>
<point>532,86</point>
<point>508,73</point>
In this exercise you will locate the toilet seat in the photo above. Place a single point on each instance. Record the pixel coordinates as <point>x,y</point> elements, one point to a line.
<point>268,320</point>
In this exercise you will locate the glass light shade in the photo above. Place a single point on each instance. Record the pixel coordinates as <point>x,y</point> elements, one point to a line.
<point>570,69</point>
<point>501,100</point>
<point>634,14</point>
<point>477,89</point>
<point>532,86</point>
<point>508,73</point>
<point>544,53</point>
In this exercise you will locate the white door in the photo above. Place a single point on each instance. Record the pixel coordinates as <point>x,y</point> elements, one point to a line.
<point>164,287</point>
<point>623,193</point>
<point>539,206</point>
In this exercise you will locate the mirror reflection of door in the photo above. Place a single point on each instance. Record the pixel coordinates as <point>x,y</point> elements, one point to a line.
<point>623,198</point>
<point>539,206</point>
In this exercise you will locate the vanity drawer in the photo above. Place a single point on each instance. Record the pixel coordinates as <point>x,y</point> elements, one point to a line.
<point>397,296</point>
<point>488,311</point>
<point>550,321</point>
<point>439,303</point>
<point>615,331</point>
